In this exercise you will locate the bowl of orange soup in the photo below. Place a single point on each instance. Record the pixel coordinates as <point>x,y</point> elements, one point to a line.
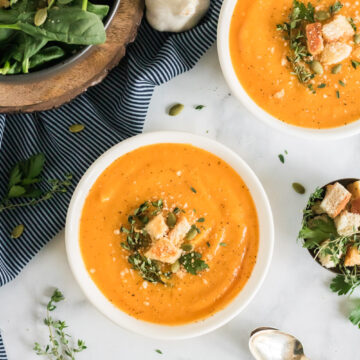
<point>294,64</point>
<point>169,234</point>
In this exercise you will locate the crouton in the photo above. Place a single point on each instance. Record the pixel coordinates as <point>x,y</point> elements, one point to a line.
<point>354,188</point>
<point>352,257</point>
<point>335,200</point>
<point>335,52</point>
<point>338,29</point>
<point>355,206</point>
<point>347,223</point>
<point>164,250</point>
<point>177,234</point>
<point>315,42</point>
<point>156,227</point>
<point>326,259</point>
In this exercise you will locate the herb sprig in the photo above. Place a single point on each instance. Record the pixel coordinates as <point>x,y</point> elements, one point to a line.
<point>60,346</point>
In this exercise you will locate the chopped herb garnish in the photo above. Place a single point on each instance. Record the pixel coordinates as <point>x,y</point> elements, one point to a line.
<point>148,269</point>
<point>199,107</point>
<point>338,94</point>
<point>208,244</point>
<point>193,263</point>
<point>352,23</point>
<point>321,86</point>
<point>342,83</point>
<point>158,351</point>
<point>286,152</point>
<point>60,346</point>
<point>355,64</point>
<point>336,7</point>
<point>281,158</point>
<point>193,190</point>
<point>200,220</point>
<point>223,244</point>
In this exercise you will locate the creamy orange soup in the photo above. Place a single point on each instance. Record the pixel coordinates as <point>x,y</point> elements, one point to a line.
<point>259,51</point>
<point>228,239</point>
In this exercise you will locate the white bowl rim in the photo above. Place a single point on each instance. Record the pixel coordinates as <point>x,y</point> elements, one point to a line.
<point>223,47</point>
<point>94,295</point>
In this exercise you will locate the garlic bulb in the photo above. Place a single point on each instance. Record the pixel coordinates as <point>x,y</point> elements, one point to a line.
<point>175,15</point>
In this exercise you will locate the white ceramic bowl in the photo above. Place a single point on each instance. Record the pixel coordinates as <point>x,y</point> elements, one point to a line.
<point>226,13</point>
<point>145,328</point>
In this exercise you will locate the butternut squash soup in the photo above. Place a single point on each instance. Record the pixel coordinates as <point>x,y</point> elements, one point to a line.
<point>169,233</point>
<point>299,61</point>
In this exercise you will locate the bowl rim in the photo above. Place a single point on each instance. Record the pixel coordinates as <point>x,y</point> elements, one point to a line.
<point>64,64</point>
<point>223,47</point>
<point>94,295</point>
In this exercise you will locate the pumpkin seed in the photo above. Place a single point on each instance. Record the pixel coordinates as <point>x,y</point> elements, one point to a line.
<point>322,15</point>
<point>171,220</point>
<point>17,231</point>
<point>298,188</point>
<point>357,39</point>
<point>176,109</point>
<point>187,247</point>
<point>336,69</point>
<point>191,234</point>
<point>316,67</point>
<point>175,267</point>
<point>76,128</point>
<point>40,16</point>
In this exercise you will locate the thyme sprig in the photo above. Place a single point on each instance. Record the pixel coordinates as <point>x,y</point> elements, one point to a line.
<point>60,346</point>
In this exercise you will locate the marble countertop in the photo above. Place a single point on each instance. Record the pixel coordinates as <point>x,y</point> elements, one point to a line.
<point>295,296</point>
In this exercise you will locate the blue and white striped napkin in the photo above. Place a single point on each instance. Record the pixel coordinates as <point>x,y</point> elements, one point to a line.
<point>111,112</point>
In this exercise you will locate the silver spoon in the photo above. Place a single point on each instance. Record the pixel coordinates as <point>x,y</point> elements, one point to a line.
<point>271,344</point>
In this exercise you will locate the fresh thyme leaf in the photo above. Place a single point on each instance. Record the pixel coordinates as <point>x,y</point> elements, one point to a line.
<point>223,244</point>
<point>200,220</point>
<point>355,64</point>
<point>336,7</point>
<point>148,269</point>
<point>355,316</point>
<point>193,190</point>
<point>193,263</point>
<point>158,351</point>
<point>199,107</point>
<point>352,23</point>
<point>342,83</point>
<point>59,347</point>
<point>208,244</point>
<point>338,94</point>
<point>281,158</point>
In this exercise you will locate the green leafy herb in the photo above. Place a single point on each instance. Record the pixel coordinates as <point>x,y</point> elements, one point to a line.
<point>338,94</point>
<point>281,158</point>
<point>199,107</point>
<point>201,220</point>
<point>193,190</point>
<point>193,263</point>
<point>344,284</point>
<point>342,83</point>
<point>148,269</point>
<point>158,351</point>
<point>355,316</point>
<point>223,244</point>
<point>336,7</point>
<point>60,345</point>
<point>23,183</point>
<point>352,23</point>
<point>355,64</point>
<point>208,244</point>
<point>321,86</point>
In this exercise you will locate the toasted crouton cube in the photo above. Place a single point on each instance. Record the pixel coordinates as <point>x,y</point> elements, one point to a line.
<point>326,259</point>
<point>177,234</point>
<point>335,199</point>
<point>335,53</point>
<point>164,250</point>
<point>352,257</point>
<point>354,188</point>
<point>355,206</point>
<point>315,42</point>
<point>156,227</point>
<point>338,29</point>
<point>347,223</point>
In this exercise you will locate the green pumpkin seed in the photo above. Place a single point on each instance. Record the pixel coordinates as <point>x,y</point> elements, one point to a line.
<point>17,232</point>
<point>40,16</point>
<point>191,234</point>
<point>175,267</point>
<point>336,69</point>
<point>357,39</point>
<point>76,128</point>
<point>298,188</point>
<point>187,247</point>
<point>171,220</point>
<point>322,15</point>
<point>176,109</point>
<point>316,67</point>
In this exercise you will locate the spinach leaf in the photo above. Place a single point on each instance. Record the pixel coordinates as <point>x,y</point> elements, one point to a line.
<point>46,55</point>
<point>99,10</point>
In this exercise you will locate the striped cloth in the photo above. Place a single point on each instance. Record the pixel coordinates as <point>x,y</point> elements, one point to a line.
<point>111,112</point>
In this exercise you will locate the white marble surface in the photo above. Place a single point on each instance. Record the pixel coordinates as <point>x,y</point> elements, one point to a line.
<point>295,296</point>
